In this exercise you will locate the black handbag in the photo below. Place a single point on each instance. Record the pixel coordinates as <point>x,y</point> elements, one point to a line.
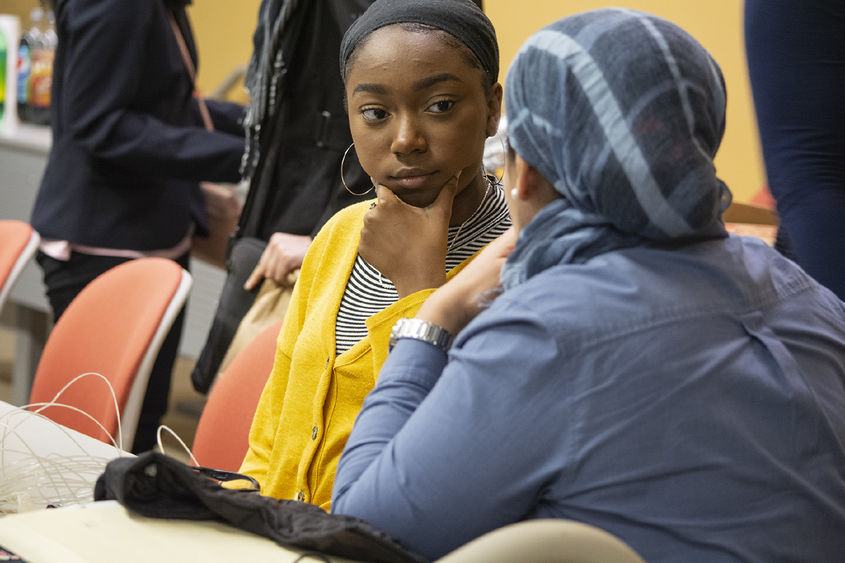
<point>157,486</point>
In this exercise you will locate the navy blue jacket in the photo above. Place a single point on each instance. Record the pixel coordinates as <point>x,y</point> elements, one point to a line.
<point>128,144</point>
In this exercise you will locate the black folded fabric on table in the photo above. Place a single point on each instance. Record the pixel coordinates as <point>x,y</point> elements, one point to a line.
<point>158,486</point>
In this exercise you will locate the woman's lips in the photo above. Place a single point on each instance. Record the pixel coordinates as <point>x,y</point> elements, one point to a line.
<point>412,180</point>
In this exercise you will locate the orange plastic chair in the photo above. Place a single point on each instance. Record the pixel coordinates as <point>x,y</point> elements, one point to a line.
<point>115,328</point>
<point>222,436</point>
<point>18,242</point>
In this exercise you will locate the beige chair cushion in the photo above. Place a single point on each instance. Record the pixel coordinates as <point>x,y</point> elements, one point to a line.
<point>545,541</point>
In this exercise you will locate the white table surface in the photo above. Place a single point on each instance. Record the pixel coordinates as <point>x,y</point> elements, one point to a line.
<point>99,532</point>
<point>105,532</point>
<point>43,463</point>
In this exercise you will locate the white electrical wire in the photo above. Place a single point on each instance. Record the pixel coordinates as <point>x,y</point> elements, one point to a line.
<point>178,439</point>
<point>53,403</point>
<point>38,481</point>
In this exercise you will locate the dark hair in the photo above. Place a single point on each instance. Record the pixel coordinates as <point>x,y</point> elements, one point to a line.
<point>487,81</point>
<point>462,21</point>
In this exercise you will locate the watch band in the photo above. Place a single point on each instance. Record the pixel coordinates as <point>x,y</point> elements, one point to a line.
<point>419,329</point>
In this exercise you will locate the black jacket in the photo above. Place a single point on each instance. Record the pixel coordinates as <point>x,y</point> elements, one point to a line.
<point>296,185</point>
<point>128,144</point>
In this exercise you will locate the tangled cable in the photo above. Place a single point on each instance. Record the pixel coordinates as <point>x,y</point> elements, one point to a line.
<point>33,480</point>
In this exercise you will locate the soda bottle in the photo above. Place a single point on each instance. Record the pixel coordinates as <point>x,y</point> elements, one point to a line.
<point>27,42</point>
<point>41,75</point>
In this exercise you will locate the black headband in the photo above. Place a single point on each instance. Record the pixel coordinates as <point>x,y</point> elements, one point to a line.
<point>462,19</point>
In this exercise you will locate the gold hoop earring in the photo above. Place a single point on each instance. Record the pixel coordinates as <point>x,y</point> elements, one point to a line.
<point>342,163</point>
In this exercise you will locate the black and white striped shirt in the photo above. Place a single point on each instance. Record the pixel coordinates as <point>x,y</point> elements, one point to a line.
<point>368,292</point>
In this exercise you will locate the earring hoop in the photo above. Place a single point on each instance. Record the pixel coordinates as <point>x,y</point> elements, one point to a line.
<point>503,139</point>
<point>499,171</point>
<point>342,163</point>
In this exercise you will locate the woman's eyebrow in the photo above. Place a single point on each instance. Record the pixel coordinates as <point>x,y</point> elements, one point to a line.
<point>370,88</point>
<point>424,83</point>
<point>420,84</point>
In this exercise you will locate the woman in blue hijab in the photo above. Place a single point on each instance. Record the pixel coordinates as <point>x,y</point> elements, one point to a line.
<point>618,359</point>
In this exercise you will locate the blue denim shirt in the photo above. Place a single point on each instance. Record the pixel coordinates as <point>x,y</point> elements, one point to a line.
<point>690,401</point>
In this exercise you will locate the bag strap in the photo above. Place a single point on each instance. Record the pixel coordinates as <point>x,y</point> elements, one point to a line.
<point>192,71</point>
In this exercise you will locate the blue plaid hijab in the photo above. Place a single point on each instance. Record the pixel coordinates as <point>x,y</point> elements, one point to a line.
<point>623,113</point>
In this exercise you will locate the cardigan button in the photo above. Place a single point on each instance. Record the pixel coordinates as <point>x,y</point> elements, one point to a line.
<point>300,496</point>
<point>314,433</point>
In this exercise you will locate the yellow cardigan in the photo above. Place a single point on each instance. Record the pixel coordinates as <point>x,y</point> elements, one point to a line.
<point>312,397</point>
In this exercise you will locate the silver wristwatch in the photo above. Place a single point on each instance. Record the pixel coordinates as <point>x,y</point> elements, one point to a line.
<point>419,329</point>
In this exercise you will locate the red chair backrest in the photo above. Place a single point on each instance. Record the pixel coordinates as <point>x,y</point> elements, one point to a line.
<point>18,242</point>
<point>222,436</point>
<point>114,327</point>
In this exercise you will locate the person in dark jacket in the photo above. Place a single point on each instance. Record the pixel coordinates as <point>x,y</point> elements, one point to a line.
<point>796,64</point>
<point>129,148</point>
<point>297,134</point>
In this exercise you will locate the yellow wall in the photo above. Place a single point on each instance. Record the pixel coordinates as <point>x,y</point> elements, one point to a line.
<point>20,8</point>
<point>223,32</point>
<point>716,24</point>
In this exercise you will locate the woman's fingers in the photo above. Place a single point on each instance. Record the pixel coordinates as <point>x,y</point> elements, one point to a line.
<point>255,276</point>
<point>283,254</point>
<point>447,196</point>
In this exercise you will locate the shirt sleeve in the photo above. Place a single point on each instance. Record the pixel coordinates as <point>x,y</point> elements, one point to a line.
<point>106,46</point>
<point>445,452</point>
<point>265,421</point>
<point>226,116</point>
